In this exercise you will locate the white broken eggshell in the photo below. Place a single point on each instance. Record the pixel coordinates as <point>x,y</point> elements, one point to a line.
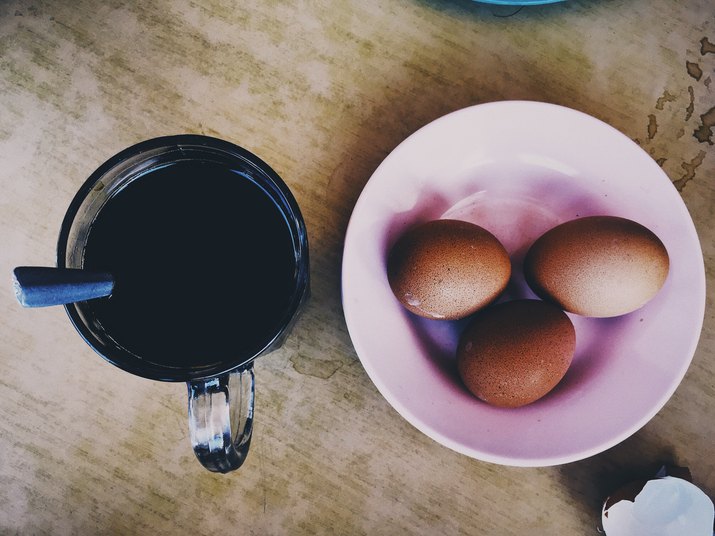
<point>667,506</point>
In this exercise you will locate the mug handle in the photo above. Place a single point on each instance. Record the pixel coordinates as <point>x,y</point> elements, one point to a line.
<point>221,418</point>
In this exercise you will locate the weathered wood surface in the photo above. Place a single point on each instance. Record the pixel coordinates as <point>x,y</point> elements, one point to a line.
<point>322,90</point>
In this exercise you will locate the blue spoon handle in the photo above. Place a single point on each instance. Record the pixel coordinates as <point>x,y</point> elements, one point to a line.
<point>37,286</point>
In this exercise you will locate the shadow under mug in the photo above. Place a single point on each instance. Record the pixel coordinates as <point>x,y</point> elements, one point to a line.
<point>221,394</point>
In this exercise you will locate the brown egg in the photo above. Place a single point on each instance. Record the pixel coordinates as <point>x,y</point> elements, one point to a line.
<point>447,269</point>
<point>598,266</point>
<point>516,352</point>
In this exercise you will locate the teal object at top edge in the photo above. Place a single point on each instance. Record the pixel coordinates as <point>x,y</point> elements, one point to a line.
<point>518,2</point>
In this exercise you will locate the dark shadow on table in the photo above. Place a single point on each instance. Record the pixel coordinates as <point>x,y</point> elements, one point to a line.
<point>591,481</point>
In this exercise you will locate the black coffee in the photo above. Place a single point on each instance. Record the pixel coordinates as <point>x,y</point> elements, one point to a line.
<point>204,265</point>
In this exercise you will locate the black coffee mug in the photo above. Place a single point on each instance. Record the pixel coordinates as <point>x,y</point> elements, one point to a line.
<point>210,253</point>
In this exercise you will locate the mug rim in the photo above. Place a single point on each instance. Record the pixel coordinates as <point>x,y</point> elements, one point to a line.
<point>134,364</point>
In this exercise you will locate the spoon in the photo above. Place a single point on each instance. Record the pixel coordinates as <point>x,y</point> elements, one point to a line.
<point>38,286</point>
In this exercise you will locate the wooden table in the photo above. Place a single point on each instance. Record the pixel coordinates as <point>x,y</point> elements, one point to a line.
<point>323,91</point>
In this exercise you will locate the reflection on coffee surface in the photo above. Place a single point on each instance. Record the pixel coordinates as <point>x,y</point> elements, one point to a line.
<point>204,265</point>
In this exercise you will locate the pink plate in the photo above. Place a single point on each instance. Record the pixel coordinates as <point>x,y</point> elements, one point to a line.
<point>518,169</point>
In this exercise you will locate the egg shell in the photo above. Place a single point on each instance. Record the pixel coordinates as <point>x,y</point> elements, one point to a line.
<point>514,353</point>
<point>667,506</point>
<point>630,490</point>
<point>598,266</point>
<point>447,269</point>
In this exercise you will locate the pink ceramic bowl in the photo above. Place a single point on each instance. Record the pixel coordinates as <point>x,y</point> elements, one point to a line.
<point>518,169</point>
